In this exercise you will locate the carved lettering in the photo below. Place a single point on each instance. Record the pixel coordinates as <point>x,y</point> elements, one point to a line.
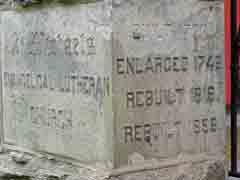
<point>93,86</point>
<point>205,125</point>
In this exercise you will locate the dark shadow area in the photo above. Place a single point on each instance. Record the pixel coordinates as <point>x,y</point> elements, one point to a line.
<point>29,4</point>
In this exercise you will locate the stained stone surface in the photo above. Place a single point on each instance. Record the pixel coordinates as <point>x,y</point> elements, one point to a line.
<point>41,168</point>
<point>168,79</point>
<point>56,79</point>
<point>122,89</point>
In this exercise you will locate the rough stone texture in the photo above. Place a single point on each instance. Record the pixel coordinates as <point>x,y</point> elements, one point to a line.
<point>123,89</point>
<point>57,81</point>
<point>168,78</point>
<point>43,168</point>
<point>192,171</point>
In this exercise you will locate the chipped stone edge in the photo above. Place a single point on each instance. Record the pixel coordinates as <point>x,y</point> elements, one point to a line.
<point>41,154</point>
<point>161,165</point>
<point>100,173</point>
<point>147,165</point>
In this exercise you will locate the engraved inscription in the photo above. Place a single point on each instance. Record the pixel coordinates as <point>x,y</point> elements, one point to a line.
<point>43,44</point>
<point>148,133</point>
<point>73,83</point>
<point>55,83</point>
<point>50,117</point>
<point>172,96</point>
<point>158,64</point>
<point>169,83</point>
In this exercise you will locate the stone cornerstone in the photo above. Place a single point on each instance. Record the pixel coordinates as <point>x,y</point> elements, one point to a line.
<point>112,89</point>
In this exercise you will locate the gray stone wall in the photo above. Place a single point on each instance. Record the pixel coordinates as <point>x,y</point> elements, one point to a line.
<point>114,89</point>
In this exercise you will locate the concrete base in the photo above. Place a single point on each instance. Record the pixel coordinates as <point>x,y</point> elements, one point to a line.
<point>22,166</point>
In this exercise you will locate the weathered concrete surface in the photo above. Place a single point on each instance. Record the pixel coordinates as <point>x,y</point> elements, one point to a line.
<point>57,81</point>
<point>123,89</point>
<point>42,168</point>
<point>168,79</point>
